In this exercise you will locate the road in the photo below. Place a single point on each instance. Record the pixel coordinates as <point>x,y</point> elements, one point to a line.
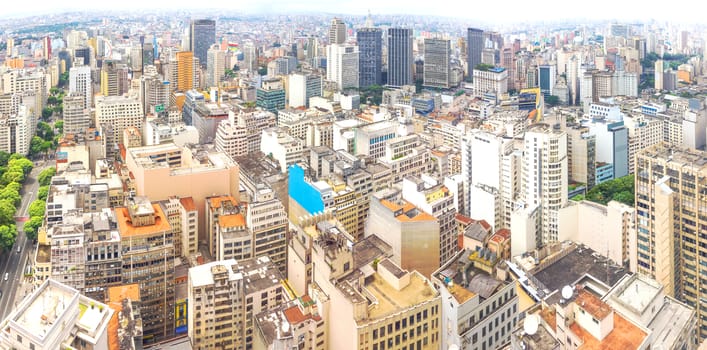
<point>14,263</point>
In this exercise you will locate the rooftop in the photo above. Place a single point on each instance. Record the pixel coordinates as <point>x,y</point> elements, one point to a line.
<point>127,229</point>
<point>577,262</point>
<point>593,305</point>
<point>407,212</point>
<point>636,293</point>
<point>625,335</point>
<point>673,316</point>
<point>541,340</point>
<point>464,280</point>
<point>391,300</point>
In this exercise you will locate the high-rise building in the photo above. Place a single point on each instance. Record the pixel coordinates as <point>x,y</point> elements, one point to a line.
<point>224,296</point>
<point>47,48</point>
<point>77,118</point>
<point>202,34</point>
<point>148,259</point>
<point>670,221</point>
<point>544,176</point>
<point>659,74</point>
<point>83,54</point>
<point>490,80</point>
<point>231,137</point>
<point>216,66</point>
<point>337,31</point>
<point>185,71</point>
<point>436,69</point>
<point>154,91</point>
<point>370,51</point>
<point>120,113</point>
<point>302,87</point>
<point>114,79</point>
<point>547,78</point>
<point>148,54</point>
<point>474,47</point>
<point>400,60</point>
<point>80,82</point>
<point>343,65</point>
<point>250,57</point>
<point>271,95</point>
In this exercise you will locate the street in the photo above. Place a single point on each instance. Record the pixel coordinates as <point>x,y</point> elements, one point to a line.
<point>12,262</point>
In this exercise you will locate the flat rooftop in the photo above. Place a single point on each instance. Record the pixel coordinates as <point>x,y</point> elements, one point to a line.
<point>127,229</point>
<point>472,281</point>
<point>625,335</point>
<point>673,317</point>
<point>578,262</point>
<point>637,292</point>
<point>391,300</point>
<point>541,340</point>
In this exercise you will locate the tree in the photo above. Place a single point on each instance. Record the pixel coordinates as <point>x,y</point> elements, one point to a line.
<point>45,177</point>
<point>7,212</point>
<point>8,234</point>
<point>59,126</point>
<point>47,112</point>
<point>13,175</point>
<point>35,146</point>
<point>11,194</point>
<point>23,163</point>
<point>43,192</point>
<point>4,158</point>
<point>36,208</point>
<point>32,227</point>
<point>45,131</point>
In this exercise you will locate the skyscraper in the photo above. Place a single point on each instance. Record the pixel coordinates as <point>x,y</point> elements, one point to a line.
<point>436,68</point>
<point>474,46</point>
<point>80,82</point>
<point>202,35</point>
<point>77,118</point>
<point>370,52</point>
<point>547,78</point>
<point>342,65</point>
<point>185,70</point>
<point>400,58</point>
<point>148,54</point>
<point>250,57</point>
<point>216,65</point>
<point>47,47</point>
<point>337,31</point>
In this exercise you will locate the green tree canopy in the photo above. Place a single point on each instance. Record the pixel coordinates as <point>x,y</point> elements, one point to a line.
<point>13,175</point>
<point>7,212</point>
<point>8,234</point>
<point>59,126</point>
<point>45,131</point>
<point>25,164</point>
<point>620,190</point>
<point>32,226</point>
<point>11,194</point>
<point>36,208</point>
<point>47,112</point>
<point>43,192</point>
<point>45,177</point>
<point>4,158</point>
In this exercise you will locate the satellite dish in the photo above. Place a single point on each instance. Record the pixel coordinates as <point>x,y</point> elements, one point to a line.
<point>530,326</point>
<point>567,292</point>
<point>453,347</point>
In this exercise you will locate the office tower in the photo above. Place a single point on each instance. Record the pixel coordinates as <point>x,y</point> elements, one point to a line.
<point>312,56</point>
<point>671,211</point>
<point>370,51</point>
<point>490,80</point>
<point>83,54</point>
<point>47,48</point>
<point>547,76</point>
<point>250,57</point>
<point>114,79</point>
<point>202,34</point>
<point>10,47</point>
<point>343,65</point>
<point>400,58</point>
<point>34,324</point>
<point>77,118</point>
<point>80,82</point>
<point>474,47</point>
<point>337,32</point>
<point>185,71</point>
<point>224,296</point>
<point>154,92</point>
<point>120,112</point>
<point>64,61</point>
<point>148,259</point>
<point>544,176</point>
<point>302,87</point>
<point>436,69</point>
<point>573,79</point>
<point>216,66</point>
<point>659,75</point>
<point>271,95</point>
<point>148,54</point>
<point>136,58</point>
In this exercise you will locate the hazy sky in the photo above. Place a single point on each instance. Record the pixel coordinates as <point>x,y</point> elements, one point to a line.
<point>507,10</point>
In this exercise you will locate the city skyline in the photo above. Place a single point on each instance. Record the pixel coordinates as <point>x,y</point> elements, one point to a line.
<point>549,11</point>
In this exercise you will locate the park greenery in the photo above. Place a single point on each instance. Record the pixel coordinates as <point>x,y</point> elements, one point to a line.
<point>36,208</point>
<point>620,190</point>
<point>371,94</point>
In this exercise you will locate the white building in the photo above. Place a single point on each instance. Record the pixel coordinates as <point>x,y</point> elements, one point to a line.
<point>493,80</point>
<point>342,65</point>
<point>56,316</point>
<point>231,137</point>
<point>215,65</point>
<point>283,148</point>
<point>121,112</point>
<point>77,117</point>
<point>301,87</point>
<point>80,82</point>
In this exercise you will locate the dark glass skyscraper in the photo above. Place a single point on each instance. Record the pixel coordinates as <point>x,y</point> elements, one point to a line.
<point>400,58</point>
<point>474,46</point>
<point>202,35</point>
<point>370,51</point>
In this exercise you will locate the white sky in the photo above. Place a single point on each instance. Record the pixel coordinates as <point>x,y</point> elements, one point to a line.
<point>488,10</point>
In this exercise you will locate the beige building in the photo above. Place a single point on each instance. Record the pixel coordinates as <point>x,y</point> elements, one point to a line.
<point>34,324</point>
<point>670,219</point>
<point>121,112</point>
<point>413,234</point>
<point>296,324</point>
<point>183,217</point>
<point>196,172</point>
<point>366,300</point>
<point>224,296</point>
<point>148,259</point>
